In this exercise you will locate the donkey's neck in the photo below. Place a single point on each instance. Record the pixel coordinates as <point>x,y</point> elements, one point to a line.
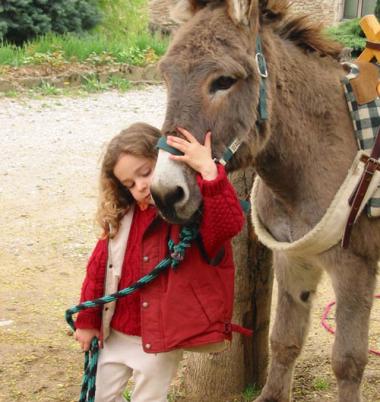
<point>311,143</point>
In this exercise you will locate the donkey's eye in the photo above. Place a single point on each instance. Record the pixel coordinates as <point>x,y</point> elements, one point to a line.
<point>222,83</point>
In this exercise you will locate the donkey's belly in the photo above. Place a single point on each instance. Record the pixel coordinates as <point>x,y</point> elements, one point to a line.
<point>280,223</point>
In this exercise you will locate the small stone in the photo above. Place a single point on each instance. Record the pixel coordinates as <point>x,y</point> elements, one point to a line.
<point>5,323</point>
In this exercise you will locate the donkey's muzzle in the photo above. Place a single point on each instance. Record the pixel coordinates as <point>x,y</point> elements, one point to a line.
<point>167,202</point>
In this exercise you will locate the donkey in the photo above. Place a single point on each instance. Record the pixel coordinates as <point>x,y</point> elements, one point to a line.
<point>301,144</point>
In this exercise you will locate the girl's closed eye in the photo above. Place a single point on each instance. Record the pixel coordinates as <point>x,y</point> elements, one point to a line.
<point>147,173</point>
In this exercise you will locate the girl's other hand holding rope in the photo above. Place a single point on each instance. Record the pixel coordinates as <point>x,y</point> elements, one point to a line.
<point>84,337</point>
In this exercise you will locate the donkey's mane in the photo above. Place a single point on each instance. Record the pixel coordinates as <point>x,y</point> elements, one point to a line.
<point>300,29</point>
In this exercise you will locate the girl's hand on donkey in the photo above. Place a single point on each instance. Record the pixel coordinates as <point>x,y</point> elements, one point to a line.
<point>196,155</point>
<point>84,337</point>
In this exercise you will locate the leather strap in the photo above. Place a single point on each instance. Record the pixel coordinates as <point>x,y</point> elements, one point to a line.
<point>371,165</point>
<point>229,328</point>
<point>373,45</point>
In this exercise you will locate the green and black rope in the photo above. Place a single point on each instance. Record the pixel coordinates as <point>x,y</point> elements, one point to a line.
<point>176,255</point>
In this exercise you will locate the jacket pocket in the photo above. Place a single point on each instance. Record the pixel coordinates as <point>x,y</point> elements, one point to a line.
<point>210,300</point>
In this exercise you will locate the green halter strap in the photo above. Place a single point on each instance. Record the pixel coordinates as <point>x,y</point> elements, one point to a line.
<point>263,73</point>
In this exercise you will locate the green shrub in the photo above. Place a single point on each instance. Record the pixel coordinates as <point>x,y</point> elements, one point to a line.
<point>22,20</point>
<point>349,34</point>
<point>377,10</point>
<point>121,37</point>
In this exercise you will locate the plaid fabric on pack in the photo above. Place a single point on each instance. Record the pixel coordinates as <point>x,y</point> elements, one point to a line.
<point>366,120</point>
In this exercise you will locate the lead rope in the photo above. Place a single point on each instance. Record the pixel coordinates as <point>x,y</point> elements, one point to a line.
<point>328,328</point>
<point>177,253</point>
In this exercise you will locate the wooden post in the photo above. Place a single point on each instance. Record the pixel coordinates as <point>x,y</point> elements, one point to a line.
<point>371,28</point>
<point>222,377</point>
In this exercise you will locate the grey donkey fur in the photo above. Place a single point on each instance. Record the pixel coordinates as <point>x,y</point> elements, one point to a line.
<point>302,154</point>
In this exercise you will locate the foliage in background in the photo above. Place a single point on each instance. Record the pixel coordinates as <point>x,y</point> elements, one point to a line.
<point>121,37</point>
<point>377,10</point>
<point>349,34</point>
<point>22,20</point>
<point>123,16</point>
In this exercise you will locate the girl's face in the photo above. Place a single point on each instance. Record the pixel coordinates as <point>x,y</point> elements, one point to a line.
<point>135,173</point>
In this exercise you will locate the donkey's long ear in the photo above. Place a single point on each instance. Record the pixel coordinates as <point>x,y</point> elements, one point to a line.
<point>182,10</point>
<point>245,11</point>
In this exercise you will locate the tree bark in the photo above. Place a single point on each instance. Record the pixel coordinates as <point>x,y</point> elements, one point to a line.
<point>221,377</point>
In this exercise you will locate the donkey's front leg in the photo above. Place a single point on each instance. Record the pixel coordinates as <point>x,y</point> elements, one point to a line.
<point>354,283</point>
<point>297,282</point>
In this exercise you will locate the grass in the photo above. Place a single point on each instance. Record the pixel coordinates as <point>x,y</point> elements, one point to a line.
<point>321,384</point>
<point>48,89</point>
<point>127,395</point>
<point>91,84</point>
<point>250,393</point>
<point>122,37</point>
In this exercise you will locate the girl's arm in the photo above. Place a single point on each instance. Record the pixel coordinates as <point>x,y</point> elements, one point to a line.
<point>222,215</point>
<point>93,287</point>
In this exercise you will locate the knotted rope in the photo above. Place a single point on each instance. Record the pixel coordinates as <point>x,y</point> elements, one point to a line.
<point>177,253</point>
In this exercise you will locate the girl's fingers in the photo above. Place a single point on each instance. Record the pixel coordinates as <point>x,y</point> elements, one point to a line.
<point>181,158</point>
<point>186,134</point>
<point>208,140</point>
<point>177,142</point>
<point>171,138</point>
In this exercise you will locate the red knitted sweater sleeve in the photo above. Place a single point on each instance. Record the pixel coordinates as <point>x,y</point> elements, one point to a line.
<point>93,287</point>
<point>222,216</point>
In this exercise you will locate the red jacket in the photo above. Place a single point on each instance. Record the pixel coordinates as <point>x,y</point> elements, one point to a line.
<point>188,307</point>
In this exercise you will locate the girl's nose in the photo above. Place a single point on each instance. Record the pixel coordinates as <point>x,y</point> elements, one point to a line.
<point>142,185</point>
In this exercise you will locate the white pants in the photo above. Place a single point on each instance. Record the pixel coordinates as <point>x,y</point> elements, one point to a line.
<point>123,357</point>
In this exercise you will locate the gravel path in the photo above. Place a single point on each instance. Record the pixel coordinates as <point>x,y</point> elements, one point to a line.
<point>64,136</point>
<point>51,149</point>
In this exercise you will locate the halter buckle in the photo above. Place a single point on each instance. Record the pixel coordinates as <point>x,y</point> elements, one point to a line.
<point>261,65</point>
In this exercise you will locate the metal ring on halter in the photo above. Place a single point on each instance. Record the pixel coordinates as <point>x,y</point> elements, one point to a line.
<point>261,65</point>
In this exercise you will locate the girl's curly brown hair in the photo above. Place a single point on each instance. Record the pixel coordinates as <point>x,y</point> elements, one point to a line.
<point>139,140</point>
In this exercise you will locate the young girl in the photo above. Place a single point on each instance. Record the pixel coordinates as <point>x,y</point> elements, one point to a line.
<point>186,308</point>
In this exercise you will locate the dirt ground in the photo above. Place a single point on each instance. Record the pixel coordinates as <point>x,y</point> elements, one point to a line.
<point>50,151</point>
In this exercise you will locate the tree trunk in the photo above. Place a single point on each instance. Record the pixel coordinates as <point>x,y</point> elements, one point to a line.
<point>221,377</point>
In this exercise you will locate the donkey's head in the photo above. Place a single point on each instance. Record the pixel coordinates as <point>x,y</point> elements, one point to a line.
<point>213,83</point>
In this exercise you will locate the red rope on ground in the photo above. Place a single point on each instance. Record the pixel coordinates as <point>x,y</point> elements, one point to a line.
<point>325,325</point>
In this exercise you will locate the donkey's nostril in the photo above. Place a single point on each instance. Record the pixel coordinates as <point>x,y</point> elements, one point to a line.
<point>167,201</point>
<point>174,196</point>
